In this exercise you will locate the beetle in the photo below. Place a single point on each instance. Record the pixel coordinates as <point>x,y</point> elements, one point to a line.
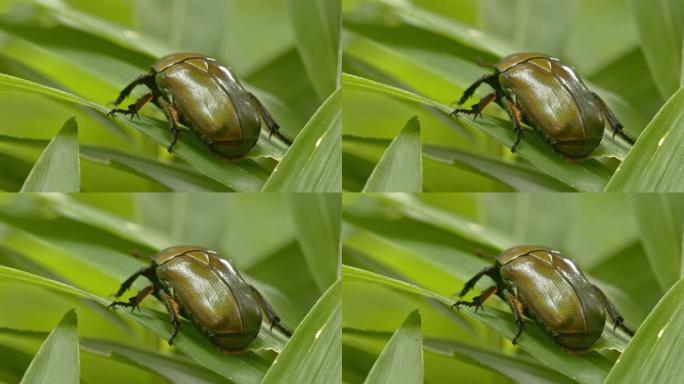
<point>206,96</point>
<point>544,93</point>
<point>208,290</point>
<point>544,285</point>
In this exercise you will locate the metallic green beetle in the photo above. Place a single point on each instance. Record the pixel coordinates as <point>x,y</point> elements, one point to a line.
<point>549,96</point>
<point>549,288</point>
<point>207,97</point>
<point>196,283</point>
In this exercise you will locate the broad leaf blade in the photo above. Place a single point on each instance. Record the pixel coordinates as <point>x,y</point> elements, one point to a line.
<point>314,353</point>
<point>661,24</point>
<point>401,168</point>
<point>401,361</point>
<point>246,368</point>
<point>58,168</point>
<point>655,353</point>
<point>653,165</point>
<point>319,214</point>
<point>316,26</point>
<point>57,361</point>
<point>314,162</point>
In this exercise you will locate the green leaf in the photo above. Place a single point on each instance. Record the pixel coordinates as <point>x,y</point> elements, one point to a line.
<point>519,176</point>
<point>661,24</point>
<point>314,352</point>
<point>653,163</point>
<point>246,368</point>
<point>316,26</point>
<point>660,218</point>
<point>401,361</point>
<point>178,177</point>
<point>173,368</point>
<point>586,176</point>
<point>401,168</point>
<point>318,213</point>
<point>57,169</point>
<point>519,368</point>
<point>57,360</point>
<point>243,176</point>
<point>654,355</point>
<point>588,368</point>
<point>314,162</point>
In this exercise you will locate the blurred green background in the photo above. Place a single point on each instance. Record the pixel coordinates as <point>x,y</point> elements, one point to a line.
<point>85,240</point>
<point>629,245</point>
<point>430,47</point>
<point>93,49</point>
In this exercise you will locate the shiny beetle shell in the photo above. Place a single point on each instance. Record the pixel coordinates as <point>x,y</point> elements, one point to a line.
<point>556,294</point>
<point>555,101</point>
<point>211,101</point>
<point>212,293</point>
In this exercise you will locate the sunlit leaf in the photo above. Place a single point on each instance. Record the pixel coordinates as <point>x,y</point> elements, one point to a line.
<point>314,162</point>
<point>401,168</point>
<point>58,168</point>
<point>651,166</point>
<point>57,360</point>
<point>655,354</point>
<point>314,353</point>
<point>402,359</point>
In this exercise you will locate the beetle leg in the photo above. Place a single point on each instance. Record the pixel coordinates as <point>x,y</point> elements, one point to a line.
<point>134,301</point>
<point>473,280</point>
<point>174,310</point>
<point>613,121</point>
<point>273,127</point>
<point>133,108</point>
<point>516,117</point>
<point>477,300</point>
<point>172,116</point>
<point>518,309</point>
<point>468,93</point>
<point>127,284</point>
<point>142,79</point>
<point>476,109</point>
<point>270,313</point>
<point>618,320</point>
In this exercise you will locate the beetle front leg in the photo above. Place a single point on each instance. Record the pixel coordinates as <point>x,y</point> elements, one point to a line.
<point>470,91</point>
<point>133,108</point>
<point>518,309</point>
<point>613,121</point>
<point>473,280</point>
<point>477,300</point>
<point>270,313</point>
<point>146,271</point>
<point>273,127</point>
<point>141,80</point>
<point>133,302</point>
<point>618,320</point>
<point>476,109</point>
<point>516,117</point>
